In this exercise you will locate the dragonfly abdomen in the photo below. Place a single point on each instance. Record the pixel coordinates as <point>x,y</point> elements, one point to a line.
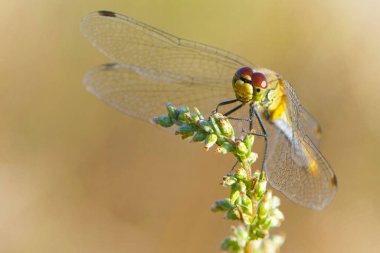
<point>301,153</point>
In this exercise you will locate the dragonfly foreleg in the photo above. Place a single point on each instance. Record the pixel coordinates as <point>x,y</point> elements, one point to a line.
<point>251,117</point>
<point>255,133</point>
<point>233,109</point>
<point>233,167</point>
<point>264,134</point>
<point>224,103</point>
<point>239,119</point>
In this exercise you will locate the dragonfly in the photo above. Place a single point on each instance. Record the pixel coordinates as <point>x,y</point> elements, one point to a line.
<point>151,67</point>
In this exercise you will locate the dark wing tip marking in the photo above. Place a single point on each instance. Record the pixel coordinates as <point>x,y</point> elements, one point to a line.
<point>334,181</point>
<point>107,13</point>
<point>108,66</point>
<point>319,130</point>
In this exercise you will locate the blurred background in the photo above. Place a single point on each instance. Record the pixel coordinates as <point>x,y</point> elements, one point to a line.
<point>78,176</point>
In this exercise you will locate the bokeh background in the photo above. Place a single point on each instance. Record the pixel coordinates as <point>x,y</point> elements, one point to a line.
<point>78,176</point>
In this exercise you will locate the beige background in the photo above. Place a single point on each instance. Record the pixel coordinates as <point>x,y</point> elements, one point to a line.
<point>78,176</point>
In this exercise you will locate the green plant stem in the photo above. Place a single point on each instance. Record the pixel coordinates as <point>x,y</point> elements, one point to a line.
<point>249,201</point>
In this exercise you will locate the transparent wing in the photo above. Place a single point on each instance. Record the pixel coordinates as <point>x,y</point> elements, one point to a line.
<point>311,126</point>
<point>126,40</point>
<point>143,92</point>
<point>295,166</point>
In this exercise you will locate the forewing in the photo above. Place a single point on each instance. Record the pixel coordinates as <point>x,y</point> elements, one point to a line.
<point>295,166</point>
<point>128,41</point>
<point>143,92</point>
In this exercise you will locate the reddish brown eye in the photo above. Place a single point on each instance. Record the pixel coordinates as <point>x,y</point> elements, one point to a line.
<point>244,71</point>
<point>259,80</point>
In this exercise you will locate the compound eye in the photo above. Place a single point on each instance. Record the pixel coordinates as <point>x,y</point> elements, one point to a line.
<point>243,72</point>
<point>259,80</point>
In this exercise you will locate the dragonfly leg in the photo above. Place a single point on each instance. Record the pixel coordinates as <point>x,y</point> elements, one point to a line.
<point>264,134</point>
<point>254,133</point>
<point>233,109</point>
<point>233,167</point>
<point>250,120</point>
<point>253,113</point>
<point>251,117</point>
<point>224,103</point>
<point>239,119</point>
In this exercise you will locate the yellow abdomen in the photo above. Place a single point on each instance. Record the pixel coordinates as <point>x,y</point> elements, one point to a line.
<point>279,115</point>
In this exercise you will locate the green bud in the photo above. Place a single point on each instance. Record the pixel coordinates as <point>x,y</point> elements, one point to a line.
<point>230,244</point>
<point>260,234</point>
<point>205,125</point>
<point>241,187</point>
<point>260,186</point>
<point>225,148</point>
<point>199,136</point>
<point>210,141</point>
<point>185,136</point>
<point>263,210</point>
<point>235,194</point>
<point>247,219</point>
<point>182,110</point>
<point>241,148</point>
<point>224,125</point>
<point>255,221</point>
<point>233,214</point>
<point>221,150</point>
<point>252,157</point>
<point>262,176</point>
<point>172,112</point>
<point>241,173</point>
<point>215,126</point>
<point>186,129</point>
<point>198,113</point>
<point>260,189</point>
<point>163,121</point>
<point>248,140</point>
<point>240,232</point>
<point>257,174</point>
<point>192,118</point>
<point>247,204</point>
<point>222,205</point>
<point>267,224</point>
<point>228,181</point>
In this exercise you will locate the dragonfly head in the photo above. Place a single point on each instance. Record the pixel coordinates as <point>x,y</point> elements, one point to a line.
<point>249,85</point>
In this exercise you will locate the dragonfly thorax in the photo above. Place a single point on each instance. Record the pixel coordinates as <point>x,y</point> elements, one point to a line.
<point>249,86</point>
